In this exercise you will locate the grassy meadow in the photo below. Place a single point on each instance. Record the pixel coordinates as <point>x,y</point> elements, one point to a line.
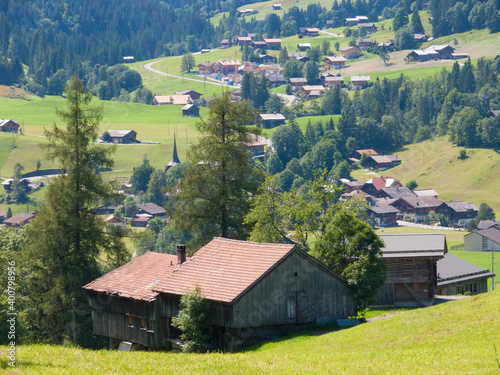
<point>434,165</point>
<point>459,337</point>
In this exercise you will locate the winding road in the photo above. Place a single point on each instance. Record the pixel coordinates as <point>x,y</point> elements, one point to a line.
<point>289,99</point>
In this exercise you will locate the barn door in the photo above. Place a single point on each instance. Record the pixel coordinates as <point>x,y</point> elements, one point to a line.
<point>291,308</point>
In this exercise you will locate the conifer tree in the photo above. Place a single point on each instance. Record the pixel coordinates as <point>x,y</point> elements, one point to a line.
<point>213,197</point>
<point>65,239</point>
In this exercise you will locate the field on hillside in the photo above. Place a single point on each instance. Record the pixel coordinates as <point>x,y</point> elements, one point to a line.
<point>459,337</point>
<point>434,165</point>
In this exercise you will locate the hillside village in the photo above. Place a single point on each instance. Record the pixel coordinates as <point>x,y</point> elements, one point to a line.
<point>300,193</point>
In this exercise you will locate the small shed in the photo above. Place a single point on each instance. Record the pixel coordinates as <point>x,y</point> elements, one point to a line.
<point>303,46</point>
<point>271,120</point>
<point>411,276</point>
<point>123,136</point>
<point>190,110</point>
<point>277,7</point>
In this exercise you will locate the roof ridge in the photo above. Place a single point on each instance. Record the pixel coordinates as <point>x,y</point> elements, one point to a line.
<point>252,242</point>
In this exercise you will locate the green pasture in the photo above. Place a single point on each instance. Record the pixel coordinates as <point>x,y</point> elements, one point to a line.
<point>434,165</point>
<point>458,337</point>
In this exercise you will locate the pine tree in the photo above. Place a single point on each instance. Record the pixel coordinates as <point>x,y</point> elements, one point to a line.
<point>416,23</point>
<point>66,238</point>
<point>213,197</point>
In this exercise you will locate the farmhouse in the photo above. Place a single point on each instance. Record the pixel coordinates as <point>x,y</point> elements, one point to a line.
<point>122,136</point>
<point>266,59</point>
<point>384,216</point>
<point>206,68</point>
<point>252,289</point>
<point>114,221</point>
<point>374,185</point>
<point>334,81</point>
<point>309,31</point>
<point>458,212</point>
<point>259,44</point>
<point>193,94</point>
<point>485,238</point>
<point>457,276</point>
<point>360,82</point>
<point>225,43</point>
<point>18,220</point>
<point>243,41</point>
<point>411,277</point>
<point>256,148</point>
<point>309,89</point>
<point>7,184</point>
<point>335,62</point>
<point>151,209</point>
<point>297,83</point>
<point>9,126</point>
<point>275,80</point>
<point>271,120</point>
<point>190,110</point>
<point>277,7</point>
<point>363,43</point>
<point>395,193</point>
<point>380,161</point>
<point>298,56</point>
<point>351,52</point>
<point>416,208</point>
<point>370,27</point>
<point>273,43</point>
<point>172,99</point>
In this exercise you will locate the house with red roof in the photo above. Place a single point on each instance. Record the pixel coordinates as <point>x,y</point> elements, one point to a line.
<point>252,289</point>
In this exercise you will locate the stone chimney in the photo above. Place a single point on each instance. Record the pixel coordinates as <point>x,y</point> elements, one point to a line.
<point>181,254</point>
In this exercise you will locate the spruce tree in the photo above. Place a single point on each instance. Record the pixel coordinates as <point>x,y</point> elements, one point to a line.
<point>416,23</point>
<point>66,238</point>
<point>213,197</point>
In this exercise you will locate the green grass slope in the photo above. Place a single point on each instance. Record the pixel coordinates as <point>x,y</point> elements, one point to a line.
<point>434,165</point>
<point>459,337</point>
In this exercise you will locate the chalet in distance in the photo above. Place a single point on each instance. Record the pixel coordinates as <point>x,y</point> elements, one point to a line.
<point>9,126</point>
<point>123,136</point>
<point>271,120</point>
<point>485,238</point>
<point>252,289</point>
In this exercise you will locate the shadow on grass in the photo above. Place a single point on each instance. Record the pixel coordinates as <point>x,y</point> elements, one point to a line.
<point>292,332</point>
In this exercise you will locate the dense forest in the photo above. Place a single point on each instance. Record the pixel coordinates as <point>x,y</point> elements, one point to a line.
<point>46,35</point>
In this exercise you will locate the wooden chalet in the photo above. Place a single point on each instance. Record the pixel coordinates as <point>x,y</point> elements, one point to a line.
<point>9,126</point>
<point>141,221</point>
<point>252,289</point>
<point>123,136</point>
<point>374,185</point>
<point>457,276</point>
<point>395,193</point>
<point>369,27</point>
<point>151,209</point>
<point>7,184</point>
<point>360,82</point>
<point>297,83</point>
<point>357,154</point>
<point>18,220</point>
<point>302,47</point>
<point>334,81</point>
<point>256,148</point>
<point>484,238</point>
<point>193,94</point>
<point>265,59</point>
<point>309,31</point>
<point>275,80</point>
<point>351,52</point>
<point>385,216</point>
<point>308,89</point>
<point>206,68</point>
<point>273,44</point>
<point>243,41</point>
<point>190,110</point>
<point>298,56</point>
<point>225,43</point>
<point>335,62</point>
<point>271,120</point>
<point>458,212</point>
<point>381,161</point>
<point>277,7</point>
<point>351,185</point>
<point>364,43</point>
<point>259,44</point>
<point>420,38</point>
<point>411,261</point>
<point>114,221</point>
<point>416,208</point>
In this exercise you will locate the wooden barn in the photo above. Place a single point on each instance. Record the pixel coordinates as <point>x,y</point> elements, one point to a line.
<point>411,261</point>
<point>252,289</point>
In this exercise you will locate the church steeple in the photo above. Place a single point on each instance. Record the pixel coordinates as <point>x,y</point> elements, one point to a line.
<point>175,159</point>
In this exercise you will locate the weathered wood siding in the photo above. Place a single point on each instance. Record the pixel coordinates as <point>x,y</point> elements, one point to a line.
<point>418,275</point>
<point>124,319</point>
<point>298,290</point>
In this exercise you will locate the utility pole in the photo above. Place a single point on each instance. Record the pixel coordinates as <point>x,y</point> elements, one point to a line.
<point>492,268</point>
<point>74,320</point>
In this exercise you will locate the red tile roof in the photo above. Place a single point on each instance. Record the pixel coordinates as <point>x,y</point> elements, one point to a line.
<point>136,278</point>
<point>224,268</point>
<point>384,182</point>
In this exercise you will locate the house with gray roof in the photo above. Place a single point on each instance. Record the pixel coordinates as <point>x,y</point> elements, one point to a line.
<point>457,276</point>
<point>485,238</point>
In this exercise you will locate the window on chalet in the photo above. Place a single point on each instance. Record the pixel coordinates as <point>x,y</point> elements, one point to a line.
<point>130,321</point>
<point>485,243</point>
<point>143,324</point>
